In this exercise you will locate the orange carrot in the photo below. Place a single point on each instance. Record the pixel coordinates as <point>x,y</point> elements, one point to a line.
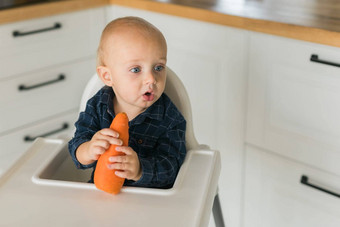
<point>104,178</point>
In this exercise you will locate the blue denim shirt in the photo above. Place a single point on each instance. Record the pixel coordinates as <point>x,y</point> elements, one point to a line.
<point>157,135</point>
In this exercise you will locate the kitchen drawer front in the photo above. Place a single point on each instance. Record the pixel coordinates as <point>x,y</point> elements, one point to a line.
<point>32,97</point>
<point>290,53</point>
<point>14,144</point>
<point>77,37</point>
<point>294,104</point>
<point>274,195</point>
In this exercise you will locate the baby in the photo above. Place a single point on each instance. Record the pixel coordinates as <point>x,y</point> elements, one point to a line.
<point>131,62</point>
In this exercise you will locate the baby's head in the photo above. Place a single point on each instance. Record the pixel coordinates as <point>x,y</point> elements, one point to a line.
<point>131,59</point>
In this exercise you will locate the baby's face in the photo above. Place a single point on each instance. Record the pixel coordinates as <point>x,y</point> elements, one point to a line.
<point>138,69</point>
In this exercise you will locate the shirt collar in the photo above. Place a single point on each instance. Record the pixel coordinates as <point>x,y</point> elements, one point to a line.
<point>156,111</point>
<point>106,98</point>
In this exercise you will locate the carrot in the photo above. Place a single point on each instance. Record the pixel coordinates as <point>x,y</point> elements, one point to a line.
<point>104,178</point>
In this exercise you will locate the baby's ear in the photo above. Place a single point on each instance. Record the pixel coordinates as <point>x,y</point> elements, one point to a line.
<point>105,75</point>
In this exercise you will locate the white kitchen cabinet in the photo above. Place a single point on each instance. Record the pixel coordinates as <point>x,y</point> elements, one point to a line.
<point>293,130</point>
<point>294,103</point>
<point>42,76</point>
<point>210,61</point>
<point>274,195</point>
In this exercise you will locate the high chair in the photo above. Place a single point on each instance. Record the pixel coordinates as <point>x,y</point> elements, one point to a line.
<point>176,91</point>
<point>44,188</point>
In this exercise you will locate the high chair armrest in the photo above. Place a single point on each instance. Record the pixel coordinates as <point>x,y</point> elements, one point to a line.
<point>203,147</point>
<point>201,166</point>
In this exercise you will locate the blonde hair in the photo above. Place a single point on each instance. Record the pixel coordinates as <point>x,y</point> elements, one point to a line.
<point>136,23</point>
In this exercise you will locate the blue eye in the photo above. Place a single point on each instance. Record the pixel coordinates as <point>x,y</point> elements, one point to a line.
<point>135,70</point>
<point>159,68</point>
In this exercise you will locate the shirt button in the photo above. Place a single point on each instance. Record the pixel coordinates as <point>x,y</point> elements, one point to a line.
<point>140,141</point>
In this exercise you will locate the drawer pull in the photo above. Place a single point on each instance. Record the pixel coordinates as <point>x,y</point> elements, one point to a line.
<point>61,77</point>
<point>32,138</point>
<point>19,34</point>
<point>315,58</point>
<point>304,180</point>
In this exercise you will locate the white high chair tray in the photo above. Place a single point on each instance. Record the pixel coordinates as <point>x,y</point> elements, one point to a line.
<point>38,191</point>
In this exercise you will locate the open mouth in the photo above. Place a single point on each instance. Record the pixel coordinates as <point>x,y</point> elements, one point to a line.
<point>148,96</point>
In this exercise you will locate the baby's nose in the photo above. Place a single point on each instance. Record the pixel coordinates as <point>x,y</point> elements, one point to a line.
<point>150,78</point>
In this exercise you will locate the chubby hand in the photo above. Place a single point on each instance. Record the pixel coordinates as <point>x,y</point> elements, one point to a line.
<point>126,166</point>
<point>101,141</point>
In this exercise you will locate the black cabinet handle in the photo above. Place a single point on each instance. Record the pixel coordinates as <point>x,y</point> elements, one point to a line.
<point>32,138</point>
<point>54,27</point>
<point>315,58</point>
<point>61,77</point>
<point>304,180</point>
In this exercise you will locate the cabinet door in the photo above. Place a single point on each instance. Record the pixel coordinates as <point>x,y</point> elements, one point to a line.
<point>274,195</point>
<point>294,101</point>
<point>14,144</point>
<point>210,60</point>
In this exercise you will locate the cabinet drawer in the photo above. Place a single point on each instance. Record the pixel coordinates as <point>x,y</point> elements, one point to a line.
<point>14,144</point>
<point>35,96</point>
<point>276,51</point>
<point>274,195</point>
<point>49,41</point>
<point>294,103</point>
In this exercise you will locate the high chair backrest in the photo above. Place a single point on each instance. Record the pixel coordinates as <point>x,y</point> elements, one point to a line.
<point>174,88</point>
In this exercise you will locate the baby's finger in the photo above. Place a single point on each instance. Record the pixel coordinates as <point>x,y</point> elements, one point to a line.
<point>101,143</point>
<point>121,174</point>
<point>124,174</point>
<point>125,149</point>
<point>118,166</point>
<point>110,139</point>
<point>96,152</point>
<point>120,159</point>
<point>109,132</point>
<point>116,141</point>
